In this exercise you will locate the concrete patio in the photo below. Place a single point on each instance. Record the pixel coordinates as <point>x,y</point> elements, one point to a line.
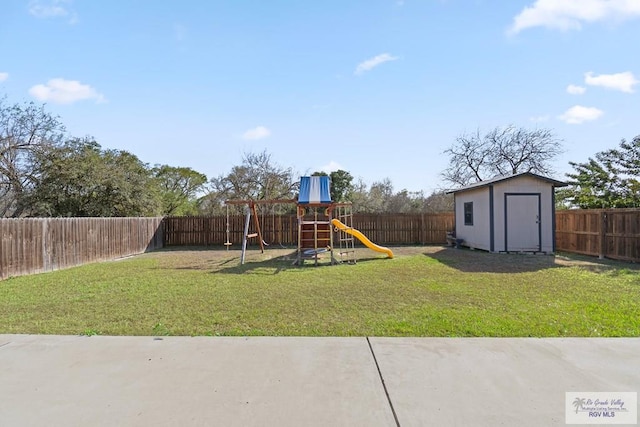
<point>299,381</point>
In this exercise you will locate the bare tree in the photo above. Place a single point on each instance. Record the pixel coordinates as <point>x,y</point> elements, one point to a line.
<point>502,151</point>
<point>25,131</point>
<point>257,178</point>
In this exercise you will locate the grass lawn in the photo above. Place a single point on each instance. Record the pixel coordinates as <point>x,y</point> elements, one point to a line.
<point>423,291</point>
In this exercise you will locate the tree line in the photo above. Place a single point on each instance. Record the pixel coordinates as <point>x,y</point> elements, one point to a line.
<point>45,172</point>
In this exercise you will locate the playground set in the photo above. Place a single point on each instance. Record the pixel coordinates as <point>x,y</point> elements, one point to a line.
<point>318,217</point>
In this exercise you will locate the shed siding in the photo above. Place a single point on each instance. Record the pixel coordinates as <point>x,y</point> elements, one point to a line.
<point>477,235</point>
<point>524,184</point>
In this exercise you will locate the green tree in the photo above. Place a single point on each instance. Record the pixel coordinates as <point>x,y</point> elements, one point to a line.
<point>438,201</point>
<point>341,184</point>
<point>81,179</point>
<point>26,131</point>
<point>502,151</point>
<point>179,187</point>
<point>404,201</point>
<point>626,158</point>
<point>610,179</point>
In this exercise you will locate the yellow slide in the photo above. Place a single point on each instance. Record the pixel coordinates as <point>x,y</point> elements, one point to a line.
<point>358,235</point>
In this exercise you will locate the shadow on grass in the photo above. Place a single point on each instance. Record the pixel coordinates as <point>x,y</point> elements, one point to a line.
<point>276,265</point>
<point>271,266</point>
<point>476,261</point>
<point>264,264</point>
<point>220,261</point>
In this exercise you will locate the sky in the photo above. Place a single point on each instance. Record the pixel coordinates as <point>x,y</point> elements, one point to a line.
<point>379,88</point>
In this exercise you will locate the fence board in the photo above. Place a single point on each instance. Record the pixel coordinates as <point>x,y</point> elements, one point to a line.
<point>36,245</point>
<point>385,229</point>
<point>606,233</point>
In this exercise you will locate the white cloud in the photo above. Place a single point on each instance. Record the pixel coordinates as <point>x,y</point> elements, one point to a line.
<point>332,166</point>
<point>579,114</point>
<point>4,76</point>
<point>61,91</point>
<point>571,14</point>
<point>576,90</point>
<point>258,132</point>
<point>371,63</point>
<point>623,82</point>
<point>53,9</point>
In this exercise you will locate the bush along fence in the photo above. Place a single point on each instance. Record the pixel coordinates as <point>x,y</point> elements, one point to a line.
<point>36,245</point>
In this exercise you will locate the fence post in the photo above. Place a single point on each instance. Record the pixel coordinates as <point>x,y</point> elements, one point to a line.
<point>603,234</point>
<point>45,259</point>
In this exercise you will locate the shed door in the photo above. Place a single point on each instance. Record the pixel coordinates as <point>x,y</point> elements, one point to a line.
<point>522,219</point>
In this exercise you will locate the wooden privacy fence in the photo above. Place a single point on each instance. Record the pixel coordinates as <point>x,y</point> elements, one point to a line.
<point>383,229</point>
<point>35,245</point>
<point>613,233</point>
<point>606,233</point>
<point>405,229</point>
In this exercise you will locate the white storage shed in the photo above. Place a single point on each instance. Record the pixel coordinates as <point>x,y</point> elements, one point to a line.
<point>514,213</point>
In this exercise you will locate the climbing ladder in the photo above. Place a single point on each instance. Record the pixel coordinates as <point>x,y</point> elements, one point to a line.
<point>347,251</point>
<point>314,234</point>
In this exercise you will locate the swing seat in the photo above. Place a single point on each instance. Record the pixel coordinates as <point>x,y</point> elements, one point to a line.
<point>313,251</point>
<point>252,235</point>
<point>228,243</point>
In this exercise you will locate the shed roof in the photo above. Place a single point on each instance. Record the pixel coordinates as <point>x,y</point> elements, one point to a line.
<point>500,178</point>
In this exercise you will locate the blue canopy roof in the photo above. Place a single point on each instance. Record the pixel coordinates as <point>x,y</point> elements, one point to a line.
<point>314,189</point>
